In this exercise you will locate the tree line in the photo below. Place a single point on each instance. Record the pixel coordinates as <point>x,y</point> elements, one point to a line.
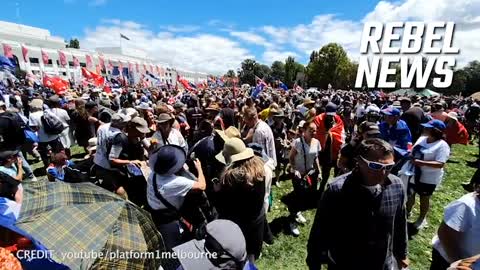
<point>331,65</point>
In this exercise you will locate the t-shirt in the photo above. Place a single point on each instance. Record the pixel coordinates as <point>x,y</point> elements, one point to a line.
<point>35,120</point>
<point>263,135</point>
<point>312,151</point>
<point>62,115</point>
<point>360,110</point>
<point>12,171</point>
<point>105,136</point>
<point>436,151</point>
<point>463,215</point>
<point>173,188</point>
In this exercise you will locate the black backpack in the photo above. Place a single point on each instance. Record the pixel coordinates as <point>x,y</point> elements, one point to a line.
<point>51,123</point>
<point>12,134</point>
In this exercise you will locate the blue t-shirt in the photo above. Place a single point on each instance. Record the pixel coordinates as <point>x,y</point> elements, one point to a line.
<point>397,135</point>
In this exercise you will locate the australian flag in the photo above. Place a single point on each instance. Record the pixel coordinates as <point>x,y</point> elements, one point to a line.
<point>259,88</point>
<point>282,85</point>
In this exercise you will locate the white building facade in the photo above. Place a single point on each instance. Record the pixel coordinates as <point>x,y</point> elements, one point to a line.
<point>36,40</point>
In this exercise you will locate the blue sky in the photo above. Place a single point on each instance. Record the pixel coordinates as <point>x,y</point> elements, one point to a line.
<point>213,36</point>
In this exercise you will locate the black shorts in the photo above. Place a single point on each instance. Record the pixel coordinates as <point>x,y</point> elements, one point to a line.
<point>423,189</point>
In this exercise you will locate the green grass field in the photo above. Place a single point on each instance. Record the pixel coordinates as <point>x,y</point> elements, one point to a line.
<point>289,252</point>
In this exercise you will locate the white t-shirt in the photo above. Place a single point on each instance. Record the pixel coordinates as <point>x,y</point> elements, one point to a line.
<point>463,215</point>
<point>104,134</point>
<point>62,115</point>
<point>436,151</point>
<point>173,188</point>
<point>35,120</point>
<point>312,151</point>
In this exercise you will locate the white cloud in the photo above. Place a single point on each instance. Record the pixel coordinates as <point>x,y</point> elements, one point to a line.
<point>251,38</point>
<point>180,28</point>
<point>271,56</point>
<point>196,52</point>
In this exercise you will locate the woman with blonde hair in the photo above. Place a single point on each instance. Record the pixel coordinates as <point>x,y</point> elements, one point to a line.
<point>242,191</point>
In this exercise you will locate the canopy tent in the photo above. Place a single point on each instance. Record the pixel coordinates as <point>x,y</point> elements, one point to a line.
<point>413,92</point>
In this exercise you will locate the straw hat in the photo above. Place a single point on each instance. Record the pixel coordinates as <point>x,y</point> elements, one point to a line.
<point>36,104</point>
<point>230,132</point>
<point>234,150</point>
<point>164,117</point>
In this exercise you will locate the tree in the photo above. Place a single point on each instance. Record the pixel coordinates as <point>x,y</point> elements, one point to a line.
<point>264,72</point>
<point>330,66</point>
<point>230,74</point>
<point>74,43</point>
<point>278,70</point>
<point>246,73</point>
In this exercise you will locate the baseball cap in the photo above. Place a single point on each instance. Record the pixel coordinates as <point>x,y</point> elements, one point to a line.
<point>224,239</point>
<point>391,111</point>
<point>435,123</point>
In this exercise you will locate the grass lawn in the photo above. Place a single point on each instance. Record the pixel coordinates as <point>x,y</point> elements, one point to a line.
<point>289,252</point>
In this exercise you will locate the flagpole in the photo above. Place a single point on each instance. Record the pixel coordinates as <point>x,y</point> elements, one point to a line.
<point>120,43</point>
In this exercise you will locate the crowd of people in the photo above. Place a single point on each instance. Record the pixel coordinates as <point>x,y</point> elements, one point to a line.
<point>203,161</point>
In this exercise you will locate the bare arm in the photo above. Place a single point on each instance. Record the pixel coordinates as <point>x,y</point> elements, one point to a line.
<point>200,184</point>
<point>450,241</point>
<point>433,164</point>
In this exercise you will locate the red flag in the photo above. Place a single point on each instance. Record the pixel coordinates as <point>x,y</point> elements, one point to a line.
<point>88,60</point>
<point>45,57</point>
<point>76,63</point>
<point>137,67</point>
<point>107,89</point>
<point>63,58</point>
<point>93,77</point>
<point>7,50</point>
<point>184,82</point>
<point>25,54</point>
<point>57,84</point>
<point>101,61</point>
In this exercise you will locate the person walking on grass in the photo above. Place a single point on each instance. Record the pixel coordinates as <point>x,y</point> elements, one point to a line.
<point>361,219</point>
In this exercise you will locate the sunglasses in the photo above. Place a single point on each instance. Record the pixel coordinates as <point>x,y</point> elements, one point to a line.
<point>376,166</point>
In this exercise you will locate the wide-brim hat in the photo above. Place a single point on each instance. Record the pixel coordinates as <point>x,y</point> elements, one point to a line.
<point>164,117</point>
<point>230,132</point>
<point>144,106</point>
<point>213,107</point>
<point>308,101</point>
<point>168,159</point>
<point>279,114</point>
<point>92,144</point>
<point>140,124</point>
<point>234,150</point>
<point>36,104</point>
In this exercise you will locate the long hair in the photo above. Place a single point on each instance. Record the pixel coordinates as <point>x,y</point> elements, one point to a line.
<point>246,171</point>
<point>80,107</point>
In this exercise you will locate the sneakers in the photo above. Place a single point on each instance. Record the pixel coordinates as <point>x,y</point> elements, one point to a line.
<point>300,218</point>
<point>421,225</point>
<point>294,230</point>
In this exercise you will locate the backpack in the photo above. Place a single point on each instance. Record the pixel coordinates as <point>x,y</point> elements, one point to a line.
<point>51,123</point>
<point>12,135</point>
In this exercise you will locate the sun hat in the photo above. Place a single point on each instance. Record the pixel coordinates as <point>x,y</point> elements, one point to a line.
<point>223,238</point>
<point>36,104</point>
<point>144,106</point>
<point>453,115</point>
<point>279,114</point>
<point>168,159</point>
<point>164,117</point>
<point>230,132</point>
<point>92,144</point>
<point>234,150</point>
<point>120,118</point>
<point>308,101</point>
<point>140,124</point>
<point>435,123</point>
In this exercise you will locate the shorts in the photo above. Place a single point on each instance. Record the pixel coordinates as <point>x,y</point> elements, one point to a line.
<point>422,189</point>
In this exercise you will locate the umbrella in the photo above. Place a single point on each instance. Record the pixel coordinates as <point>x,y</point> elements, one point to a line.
<point>81,218</point>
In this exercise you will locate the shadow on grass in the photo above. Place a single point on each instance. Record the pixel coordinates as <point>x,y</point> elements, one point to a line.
<point>453,161</point>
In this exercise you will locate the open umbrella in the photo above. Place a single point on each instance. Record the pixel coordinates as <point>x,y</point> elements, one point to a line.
<point>101,229</point>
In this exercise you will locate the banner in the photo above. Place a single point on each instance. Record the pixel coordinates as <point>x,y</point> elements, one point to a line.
<point>7,50</point>
<point>76,63</point>
<point>25,54</point>
<point>88,61</point>
<point>62,58</point>
<point>45,57</point>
